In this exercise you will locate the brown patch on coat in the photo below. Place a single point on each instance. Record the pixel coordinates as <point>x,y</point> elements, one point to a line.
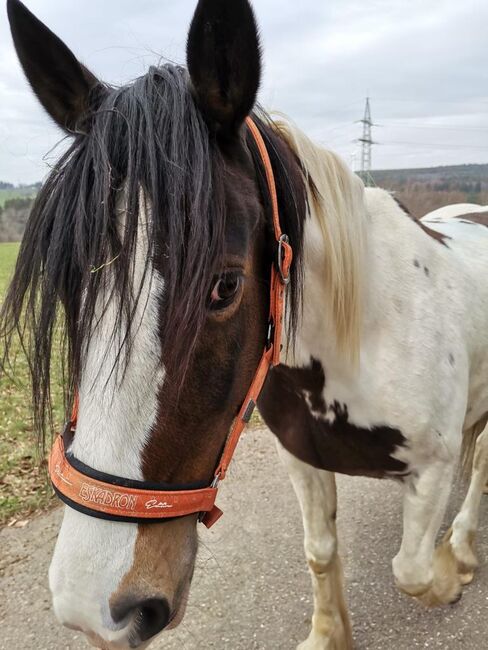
<point>161,568</point>
<point>320,434</point>
<point>434,234</point>
<point>404,208</point>
<point>480,218</point>
<point>194,419</point>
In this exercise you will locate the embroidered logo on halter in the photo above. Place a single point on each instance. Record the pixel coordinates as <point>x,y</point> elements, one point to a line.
<point>59,472</point>
<point>105,497</point>
<point>154,503</point>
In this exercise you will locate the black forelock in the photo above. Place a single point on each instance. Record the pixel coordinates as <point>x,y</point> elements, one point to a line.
<point>146,136</point>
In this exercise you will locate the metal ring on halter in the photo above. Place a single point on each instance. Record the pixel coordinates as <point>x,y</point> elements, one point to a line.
<point>283,239</point>
<point>214,484</point>
<point>216,481</point>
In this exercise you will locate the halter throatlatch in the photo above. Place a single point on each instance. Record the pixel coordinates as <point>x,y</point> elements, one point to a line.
<point>110,497</point>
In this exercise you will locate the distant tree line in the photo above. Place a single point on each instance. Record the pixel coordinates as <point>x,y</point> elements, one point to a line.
<point>423,190</point>
<point>10,186</point>
<point>15,205</point>
<point>13,218</point>
<point>421,198</point>
<point>420,190</point>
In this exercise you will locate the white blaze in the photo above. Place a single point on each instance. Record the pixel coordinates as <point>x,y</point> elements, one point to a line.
<point>114,422</point>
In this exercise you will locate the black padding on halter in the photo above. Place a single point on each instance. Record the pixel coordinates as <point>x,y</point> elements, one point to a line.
<point>124,482</point>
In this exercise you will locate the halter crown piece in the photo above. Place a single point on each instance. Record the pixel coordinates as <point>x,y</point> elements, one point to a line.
<point>110,497</point>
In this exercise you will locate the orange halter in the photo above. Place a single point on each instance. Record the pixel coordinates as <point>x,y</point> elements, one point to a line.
<point>109,497</point>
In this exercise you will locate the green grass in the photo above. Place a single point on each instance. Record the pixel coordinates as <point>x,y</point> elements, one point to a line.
<point>8,255</point>
<point>23,481</point>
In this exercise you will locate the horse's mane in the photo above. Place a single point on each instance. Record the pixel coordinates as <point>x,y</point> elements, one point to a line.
<point>148,136</point>
<point>337,197</point>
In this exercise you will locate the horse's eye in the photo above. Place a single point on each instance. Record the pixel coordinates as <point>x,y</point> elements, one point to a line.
<point>225,289</point>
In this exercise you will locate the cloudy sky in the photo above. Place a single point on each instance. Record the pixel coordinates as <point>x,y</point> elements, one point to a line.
<point>424,64</point>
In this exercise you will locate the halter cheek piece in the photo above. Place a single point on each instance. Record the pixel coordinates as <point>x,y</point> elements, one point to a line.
<point>109,497</point>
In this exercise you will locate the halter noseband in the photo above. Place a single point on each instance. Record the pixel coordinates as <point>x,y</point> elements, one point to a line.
<point>109,497</point>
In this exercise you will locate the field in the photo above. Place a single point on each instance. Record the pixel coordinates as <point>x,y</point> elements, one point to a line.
<point>17,193</point>
<point>23,481</point>
<point>423,190</point>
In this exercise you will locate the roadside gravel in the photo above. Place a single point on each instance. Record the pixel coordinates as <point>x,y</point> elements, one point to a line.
<point>251,589</point>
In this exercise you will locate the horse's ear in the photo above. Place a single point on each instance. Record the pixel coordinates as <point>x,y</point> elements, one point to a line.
<point>62,84</point>
<point>223,57</point>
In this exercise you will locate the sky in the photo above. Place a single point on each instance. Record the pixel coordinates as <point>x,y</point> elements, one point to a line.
<point>424,63</point>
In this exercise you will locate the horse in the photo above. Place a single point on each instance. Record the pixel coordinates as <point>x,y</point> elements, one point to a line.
<point>472,211</point>
<point>147,257</point>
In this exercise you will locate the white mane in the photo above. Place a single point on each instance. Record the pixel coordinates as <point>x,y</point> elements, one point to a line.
<point>336,200</point>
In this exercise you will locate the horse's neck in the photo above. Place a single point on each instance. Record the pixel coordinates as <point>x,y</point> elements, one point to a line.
<point>387,236</point>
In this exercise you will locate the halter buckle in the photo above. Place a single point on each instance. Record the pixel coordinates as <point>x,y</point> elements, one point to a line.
<point>216,481</point>
<point>284,258</point>
<point>207,518</point>
<point>270,334</point>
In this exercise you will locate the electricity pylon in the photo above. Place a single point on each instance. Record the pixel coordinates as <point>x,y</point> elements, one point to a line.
<point>366,143</point>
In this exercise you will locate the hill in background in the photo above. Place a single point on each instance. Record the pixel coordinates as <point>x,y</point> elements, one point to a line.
<point>9,192</point>
<point>420,190</point>
<point>423,190</point>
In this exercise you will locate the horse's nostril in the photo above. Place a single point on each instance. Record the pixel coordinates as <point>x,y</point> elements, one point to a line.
<point>152,616</point>
<point>149,616</point>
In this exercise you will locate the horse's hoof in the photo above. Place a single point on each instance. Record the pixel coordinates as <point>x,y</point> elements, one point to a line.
<point>466,578</point>
<point>457,598</point>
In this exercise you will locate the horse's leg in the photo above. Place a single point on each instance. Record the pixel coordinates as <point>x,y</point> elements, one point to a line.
<point>462,534</point>
<point>316,492</point>
<point>420,569</point>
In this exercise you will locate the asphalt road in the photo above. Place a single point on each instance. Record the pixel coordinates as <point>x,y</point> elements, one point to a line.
<point>251,590</point>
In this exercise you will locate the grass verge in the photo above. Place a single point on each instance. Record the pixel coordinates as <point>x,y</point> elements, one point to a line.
<point>24,487</point>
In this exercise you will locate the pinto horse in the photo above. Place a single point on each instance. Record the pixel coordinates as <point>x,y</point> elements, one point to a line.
<point>150,247</point>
